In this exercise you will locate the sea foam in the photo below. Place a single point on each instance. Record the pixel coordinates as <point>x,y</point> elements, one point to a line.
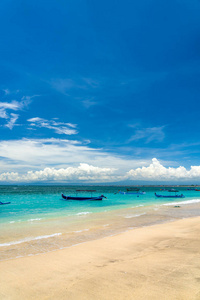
<point>83,213</point>
<point>134,216</point>
<point>30,239</point>
<point>183,202</point>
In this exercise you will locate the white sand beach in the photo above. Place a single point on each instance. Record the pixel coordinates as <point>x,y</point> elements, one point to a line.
<point>155,262</point>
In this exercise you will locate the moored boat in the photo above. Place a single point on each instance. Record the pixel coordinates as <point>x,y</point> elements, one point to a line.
<point>132,189</point>
<point>169,196</point>
<point>83,198</point>
<point>3,203</point>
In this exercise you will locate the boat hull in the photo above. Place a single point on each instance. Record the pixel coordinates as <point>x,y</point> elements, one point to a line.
<point>83,198</point>
<point>169,196</point>
<point>3,203</point>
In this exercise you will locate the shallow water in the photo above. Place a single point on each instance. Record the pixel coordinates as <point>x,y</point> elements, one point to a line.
<point>39,221</point>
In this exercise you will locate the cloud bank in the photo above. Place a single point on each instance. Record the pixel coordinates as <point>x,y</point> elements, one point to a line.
<point>38,154</point>
<point>156,171</point>
<point>83,172</point>
<point>55,160</point>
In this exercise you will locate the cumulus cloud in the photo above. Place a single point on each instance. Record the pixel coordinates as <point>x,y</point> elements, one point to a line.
<point>83,172</point>
<point>38,154</point>
<point>58,160</point>
<point>156,171</point>
<point>58,127</point>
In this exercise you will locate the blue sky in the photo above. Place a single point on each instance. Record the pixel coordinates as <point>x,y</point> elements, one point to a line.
<point>101,87</point>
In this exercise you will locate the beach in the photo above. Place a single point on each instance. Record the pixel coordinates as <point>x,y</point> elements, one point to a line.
<point>155,262</point>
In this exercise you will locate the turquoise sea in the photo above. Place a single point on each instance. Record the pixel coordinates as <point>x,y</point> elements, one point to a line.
<point>38,220</point>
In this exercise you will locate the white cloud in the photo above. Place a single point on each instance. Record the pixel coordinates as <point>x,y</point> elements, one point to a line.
<point>11,122</point>
<point>58,127</point>
<point>3,113</point>
<point>149,134</point>
<point>34,120</point>
<point>70,161</point>
<point>14,105</point>
<point>11,118</point>
<point>156,171</point>
<point>83,172</point>
<point>37,154</point>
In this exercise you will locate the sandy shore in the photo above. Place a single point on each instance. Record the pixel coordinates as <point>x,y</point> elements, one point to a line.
<point>155,262</point>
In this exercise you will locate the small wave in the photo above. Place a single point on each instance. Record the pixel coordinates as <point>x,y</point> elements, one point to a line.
<point>18,221</point>
<point>83,213</point>
<point>31,220</point>
<point>134,216</point>
<point>81,230</point>
<point>30,239</point>
<point>182,202</point>
<point>137,206</point>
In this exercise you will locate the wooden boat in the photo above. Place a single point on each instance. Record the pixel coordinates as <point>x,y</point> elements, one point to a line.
<point>3,203</point>
<point>83,198</point>
<point>133,189</point>
<point>197,190</point>
<point>169,196</point>
<point>91,191</point>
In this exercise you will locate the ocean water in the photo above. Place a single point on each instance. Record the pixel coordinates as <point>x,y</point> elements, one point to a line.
<point>38,220</point>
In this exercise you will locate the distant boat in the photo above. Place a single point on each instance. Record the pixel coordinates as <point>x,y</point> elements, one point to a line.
<point>170,196</point>
<point>133,189</point>
<point>173,190</point>
<point>3,203</point>
<point>197,190</point>
<point>91,191</point>
<point>127,193</point>
<point>191,189</point>
<point>83,198</point>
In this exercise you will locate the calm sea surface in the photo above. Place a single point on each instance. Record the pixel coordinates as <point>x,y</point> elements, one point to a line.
<point>38,220</point>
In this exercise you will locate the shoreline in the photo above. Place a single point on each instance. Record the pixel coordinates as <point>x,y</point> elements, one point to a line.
<point>142,263</point>
<point>45,236</point>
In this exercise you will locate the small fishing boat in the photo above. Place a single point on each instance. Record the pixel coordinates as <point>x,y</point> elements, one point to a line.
<point>197,190</point>
<point>91,191</point>
<point>83,198</point>
<point>191,189</point>
<point>169,196</point>
<point>3,203</point>
<point>132,189</point>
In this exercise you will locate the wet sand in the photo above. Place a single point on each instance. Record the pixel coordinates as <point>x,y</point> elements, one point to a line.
<point>155,262</point>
